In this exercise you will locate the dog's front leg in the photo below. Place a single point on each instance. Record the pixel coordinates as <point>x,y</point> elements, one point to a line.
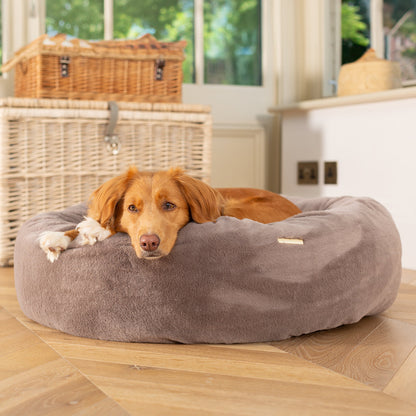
<point>53,243</point>
<point>91,231</point>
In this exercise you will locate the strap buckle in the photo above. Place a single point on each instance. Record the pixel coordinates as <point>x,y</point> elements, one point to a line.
<point>112,140</point>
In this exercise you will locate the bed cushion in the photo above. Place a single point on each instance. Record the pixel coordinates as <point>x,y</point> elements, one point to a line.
<point>232,281</point>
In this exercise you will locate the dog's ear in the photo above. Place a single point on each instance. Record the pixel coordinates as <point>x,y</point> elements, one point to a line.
<point>103,201</point>
<point>205,203</point>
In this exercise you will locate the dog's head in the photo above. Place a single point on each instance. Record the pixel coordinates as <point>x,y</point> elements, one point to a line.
<point>152,207</point>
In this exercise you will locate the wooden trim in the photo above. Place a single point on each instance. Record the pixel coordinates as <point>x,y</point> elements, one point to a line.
<point>199,41</point>
<point>377,33</point>
<point>108,20</point>
<point>389,95</point>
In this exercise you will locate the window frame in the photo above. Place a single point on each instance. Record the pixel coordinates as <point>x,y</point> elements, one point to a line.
<point>5,82</point>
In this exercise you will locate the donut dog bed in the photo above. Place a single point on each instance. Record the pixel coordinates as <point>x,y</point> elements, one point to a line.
<point>229,281</point>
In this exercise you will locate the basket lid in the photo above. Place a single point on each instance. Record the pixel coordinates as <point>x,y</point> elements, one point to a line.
<point>64,104</point>
<point>145,47</point>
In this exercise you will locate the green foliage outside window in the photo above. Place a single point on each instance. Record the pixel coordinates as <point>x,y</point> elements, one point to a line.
<point>352,25</point>
<point>232,42</point>
<point>82,19</point>
<point>355,29</point>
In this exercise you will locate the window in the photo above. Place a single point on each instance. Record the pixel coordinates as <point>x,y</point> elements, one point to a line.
<point>230,32</point>
<point>399,27</point>
<point>394,23</point>
<point>232,42</point>
<point>79,18</point>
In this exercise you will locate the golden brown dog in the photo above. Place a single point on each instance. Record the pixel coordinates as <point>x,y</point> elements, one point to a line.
<point>152,207</point>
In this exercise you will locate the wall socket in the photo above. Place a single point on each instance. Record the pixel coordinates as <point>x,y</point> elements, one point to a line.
<point>307,173</point>
<point>330,173</point>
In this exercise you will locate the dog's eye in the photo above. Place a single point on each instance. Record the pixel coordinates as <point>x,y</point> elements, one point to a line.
<point>168,206</point>
<point>132,208</point>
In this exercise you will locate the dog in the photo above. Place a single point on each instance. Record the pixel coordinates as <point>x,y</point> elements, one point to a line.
<point>151,207</point>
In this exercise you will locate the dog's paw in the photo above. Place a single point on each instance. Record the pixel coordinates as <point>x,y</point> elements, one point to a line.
<point>53,243</point>
<point>91,231</point>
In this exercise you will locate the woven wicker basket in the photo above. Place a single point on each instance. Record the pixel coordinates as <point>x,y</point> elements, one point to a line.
<point>141,70</point>
<point>368,74</point>
<point>54,153</point>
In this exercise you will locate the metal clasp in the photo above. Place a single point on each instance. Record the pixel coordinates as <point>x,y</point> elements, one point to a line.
<point>112,140</point>
<point>64,61</point>
<point>159,66</point>
<point>113,144</point>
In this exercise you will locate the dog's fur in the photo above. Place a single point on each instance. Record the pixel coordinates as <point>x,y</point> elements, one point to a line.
<point>152,207</point>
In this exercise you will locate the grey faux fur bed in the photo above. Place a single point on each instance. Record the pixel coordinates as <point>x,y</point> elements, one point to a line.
<point>224,282</point>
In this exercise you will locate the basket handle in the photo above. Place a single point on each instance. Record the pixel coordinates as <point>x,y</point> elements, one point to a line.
<point>112,140</point>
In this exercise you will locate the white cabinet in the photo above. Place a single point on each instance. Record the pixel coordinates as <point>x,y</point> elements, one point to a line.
<point>373,140</point>
<point>238,156</point>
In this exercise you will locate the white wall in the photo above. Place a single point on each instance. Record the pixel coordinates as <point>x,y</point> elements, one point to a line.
<point>375,147</point>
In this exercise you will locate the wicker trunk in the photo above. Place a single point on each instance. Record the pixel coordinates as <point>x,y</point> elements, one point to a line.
<point>140,70</point>
<point>54,153</point>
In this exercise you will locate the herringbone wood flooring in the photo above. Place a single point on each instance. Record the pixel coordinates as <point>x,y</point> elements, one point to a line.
<point>364,369</point>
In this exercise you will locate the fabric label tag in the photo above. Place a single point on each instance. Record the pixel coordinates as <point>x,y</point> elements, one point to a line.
<point>297,241</point>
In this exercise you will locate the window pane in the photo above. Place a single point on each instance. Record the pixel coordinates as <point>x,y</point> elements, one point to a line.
<point>355,29</point>
<point>83,19</point>
<point>232,42</point>
<point>169,20</point>
<point>399,21</point>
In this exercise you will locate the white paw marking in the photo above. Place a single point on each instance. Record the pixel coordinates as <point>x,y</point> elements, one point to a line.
<point>53,243</point>
<point>91,231</point>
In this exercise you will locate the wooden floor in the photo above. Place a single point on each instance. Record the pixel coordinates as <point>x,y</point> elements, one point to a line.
<point>364,369</point>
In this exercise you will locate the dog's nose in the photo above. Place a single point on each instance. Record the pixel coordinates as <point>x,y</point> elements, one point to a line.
<point>149,242</point>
